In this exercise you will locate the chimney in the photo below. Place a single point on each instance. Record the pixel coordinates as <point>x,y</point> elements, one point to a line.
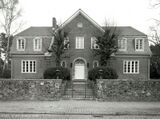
<point>54,23</point>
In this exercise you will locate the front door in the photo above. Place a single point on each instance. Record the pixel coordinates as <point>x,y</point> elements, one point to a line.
<point>79,69</point>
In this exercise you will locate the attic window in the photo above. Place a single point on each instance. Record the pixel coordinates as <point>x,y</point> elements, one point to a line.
<point>79,25</point>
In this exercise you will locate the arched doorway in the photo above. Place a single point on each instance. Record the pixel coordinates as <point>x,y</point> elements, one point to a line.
<point>79,69</point>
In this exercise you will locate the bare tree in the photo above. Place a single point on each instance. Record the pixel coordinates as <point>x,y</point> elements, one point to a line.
<point>60,45</point>
<point>9,14</point>
<point>107,44</point>
<point>154,3</point>
<point>154,36</point>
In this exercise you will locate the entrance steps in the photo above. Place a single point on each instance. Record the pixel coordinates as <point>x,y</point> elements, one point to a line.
<point>78,90</point>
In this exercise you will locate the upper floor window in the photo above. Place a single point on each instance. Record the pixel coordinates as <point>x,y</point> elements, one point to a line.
<point>122,44</point>
<point>21,44</point>
<point>79,25</point>
<point>79,42</point>
<point>139,44</point>
<point>0,43</point>
<point>63,64</point>
<point>94,44</point>
<point>66,43</point>
<point>28,66</point>
<point>95,64</point>
<point>131,67</point>
<point>37,44</point>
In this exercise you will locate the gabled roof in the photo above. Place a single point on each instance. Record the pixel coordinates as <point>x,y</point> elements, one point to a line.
<point>85,15</point>
<point>127,31</point>
<point>47,31</point>
<point>36,31</point>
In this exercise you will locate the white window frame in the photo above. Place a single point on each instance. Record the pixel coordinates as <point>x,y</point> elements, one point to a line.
<point>31,64</point>
<point>129,67</point>
<point>62,64</point>
<point>20,47</point>
<point>66,41</point>
<point>138,43</point>
<point>79,42</point>
<point>122,43</point>
<point>0,43</point>
<point>93,43</point>
<point>96,61</point>
<point>39,44</point>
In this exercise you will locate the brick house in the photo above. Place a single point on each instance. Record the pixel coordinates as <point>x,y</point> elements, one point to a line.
<point>30,57</point>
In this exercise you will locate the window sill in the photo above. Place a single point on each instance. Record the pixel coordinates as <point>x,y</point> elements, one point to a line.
<point>130,73</point>
<point>20,50</point>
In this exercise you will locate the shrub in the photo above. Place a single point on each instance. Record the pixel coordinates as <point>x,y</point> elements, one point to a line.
<point>6,74</point>
<point>51,73</point>
<point>106,73</point>
<point>155,67</point>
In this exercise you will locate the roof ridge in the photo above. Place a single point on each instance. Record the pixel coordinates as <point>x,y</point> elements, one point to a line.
<point>40,26</point>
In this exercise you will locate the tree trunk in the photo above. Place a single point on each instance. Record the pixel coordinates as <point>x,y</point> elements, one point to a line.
<point>58,61</point>
<point>5,65</point>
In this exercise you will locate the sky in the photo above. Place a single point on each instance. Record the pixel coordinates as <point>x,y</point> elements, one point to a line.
<point>135,13</point>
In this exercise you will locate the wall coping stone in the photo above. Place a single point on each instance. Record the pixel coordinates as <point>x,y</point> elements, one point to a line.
<point>109,80</point>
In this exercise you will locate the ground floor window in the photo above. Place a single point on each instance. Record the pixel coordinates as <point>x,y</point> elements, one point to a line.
<point>63,64</point>
<point>95,63</point>
<point>131,66</point>
<point>28,66</point>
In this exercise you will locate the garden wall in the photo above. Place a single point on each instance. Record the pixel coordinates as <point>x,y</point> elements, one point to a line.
<point>30,89</point>
<point>128,90</point>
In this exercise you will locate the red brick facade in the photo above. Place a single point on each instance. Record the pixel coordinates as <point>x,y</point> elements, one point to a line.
<point>85,56</point>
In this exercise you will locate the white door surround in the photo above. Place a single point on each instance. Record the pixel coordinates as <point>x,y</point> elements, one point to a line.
<point>79,69</point>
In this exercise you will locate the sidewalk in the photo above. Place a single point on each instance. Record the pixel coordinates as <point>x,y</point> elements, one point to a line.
<point>76,107</point>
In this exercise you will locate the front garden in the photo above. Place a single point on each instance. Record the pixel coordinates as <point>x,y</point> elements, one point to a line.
<point>107,87</point>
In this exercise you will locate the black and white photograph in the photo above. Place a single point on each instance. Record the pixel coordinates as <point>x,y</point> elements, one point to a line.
<point>79,59</point>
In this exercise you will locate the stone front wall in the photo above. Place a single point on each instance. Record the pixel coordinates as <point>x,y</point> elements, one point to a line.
<point>128,90</point>
<point>31,89</point>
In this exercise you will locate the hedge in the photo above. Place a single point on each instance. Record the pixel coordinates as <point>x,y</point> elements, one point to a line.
<point>102,72</point>
<point>54,73</point>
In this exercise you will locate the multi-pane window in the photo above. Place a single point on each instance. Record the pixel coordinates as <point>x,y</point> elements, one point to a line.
<point>139,44</point>
<point>0,43</point>
<point>122,44</point>
<point>95,64</point>
<point>66,43</point>
<point>20,44</point>
<point>131,67</point>
<point>79,42</point>
<point>28,66</point>
<point>63,64</point>
<point>94,44</point>
<point>37,44</point>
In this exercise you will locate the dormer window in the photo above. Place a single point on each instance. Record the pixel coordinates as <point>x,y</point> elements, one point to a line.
<point>122,44</point>
<point>79,25</point>
<point>37,44</point>
<point>20,44</point>
<point>139,44</point>
<point>94,44</point>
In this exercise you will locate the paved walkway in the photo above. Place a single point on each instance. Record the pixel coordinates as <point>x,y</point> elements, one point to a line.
<point>74,107</point>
